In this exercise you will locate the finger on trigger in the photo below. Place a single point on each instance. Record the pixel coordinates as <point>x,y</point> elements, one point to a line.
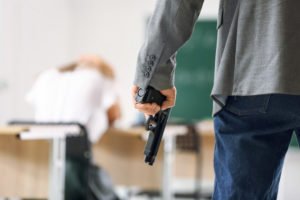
<point>157,108</point>
<point>144,108</point>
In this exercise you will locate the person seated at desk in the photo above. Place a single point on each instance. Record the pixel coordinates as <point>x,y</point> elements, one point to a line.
<point>82,92</point>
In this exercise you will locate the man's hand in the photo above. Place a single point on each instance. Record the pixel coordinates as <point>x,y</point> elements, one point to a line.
<point>153,108</point>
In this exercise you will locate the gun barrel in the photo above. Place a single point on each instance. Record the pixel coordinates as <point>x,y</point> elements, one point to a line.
<point>155,137</point>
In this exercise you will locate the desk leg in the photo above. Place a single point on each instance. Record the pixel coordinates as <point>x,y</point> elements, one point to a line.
<point>57,169</point>
<point>169,148</point>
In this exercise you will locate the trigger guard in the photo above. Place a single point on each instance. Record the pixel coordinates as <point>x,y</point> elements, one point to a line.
<point>149,126</point>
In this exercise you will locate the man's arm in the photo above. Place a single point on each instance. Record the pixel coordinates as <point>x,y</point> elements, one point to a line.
<point>169,28</point>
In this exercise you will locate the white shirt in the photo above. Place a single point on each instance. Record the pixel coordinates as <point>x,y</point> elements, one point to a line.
<point>83,96</point>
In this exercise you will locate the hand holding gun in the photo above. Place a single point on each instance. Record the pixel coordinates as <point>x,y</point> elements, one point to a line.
<point>156,124</point>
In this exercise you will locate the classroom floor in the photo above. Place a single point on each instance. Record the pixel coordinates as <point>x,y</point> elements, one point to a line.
<point>290,180</point>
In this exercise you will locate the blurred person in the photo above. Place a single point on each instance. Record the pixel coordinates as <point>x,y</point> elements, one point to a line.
<point>82,92</point>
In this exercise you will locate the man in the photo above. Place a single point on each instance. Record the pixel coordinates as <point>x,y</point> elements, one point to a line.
<point>256,88</point>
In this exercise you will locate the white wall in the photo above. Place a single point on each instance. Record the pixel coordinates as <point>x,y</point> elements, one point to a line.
<point>38,34</point>
<point>34,36</point>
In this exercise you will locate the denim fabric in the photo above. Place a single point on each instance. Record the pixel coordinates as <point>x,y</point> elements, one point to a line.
<point>252,137</point>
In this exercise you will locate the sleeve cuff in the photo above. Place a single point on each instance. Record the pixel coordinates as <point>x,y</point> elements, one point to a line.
<point>163,77</point>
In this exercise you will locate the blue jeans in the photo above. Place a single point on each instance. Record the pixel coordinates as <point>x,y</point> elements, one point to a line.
<point>252,137</point>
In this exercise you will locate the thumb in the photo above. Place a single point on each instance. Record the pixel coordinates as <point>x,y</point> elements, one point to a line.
<point>167,104</point>
<point>170,98</point>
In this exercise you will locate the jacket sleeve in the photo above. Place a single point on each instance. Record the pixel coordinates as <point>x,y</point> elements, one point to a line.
<point>169,28</point>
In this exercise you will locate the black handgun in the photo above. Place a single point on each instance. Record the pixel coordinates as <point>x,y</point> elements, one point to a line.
<point>155,125</point>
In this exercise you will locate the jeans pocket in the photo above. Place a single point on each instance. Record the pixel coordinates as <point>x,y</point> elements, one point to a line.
<point>248,105</point>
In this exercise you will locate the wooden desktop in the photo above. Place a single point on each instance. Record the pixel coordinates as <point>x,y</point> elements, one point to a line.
<point>24,165</point>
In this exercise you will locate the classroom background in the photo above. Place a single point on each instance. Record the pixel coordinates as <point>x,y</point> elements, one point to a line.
<point>36,35</point>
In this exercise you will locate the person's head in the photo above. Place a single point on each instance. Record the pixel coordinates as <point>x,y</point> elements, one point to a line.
<point>90,61</point>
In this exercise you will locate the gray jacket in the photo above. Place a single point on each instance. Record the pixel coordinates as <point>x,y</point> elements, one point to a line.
<point>257,50</point>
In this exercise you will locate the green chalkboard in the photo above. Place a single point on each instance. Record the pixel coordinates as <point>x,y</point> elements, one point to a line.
<point>294,142</point>
<point>194,74</point>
